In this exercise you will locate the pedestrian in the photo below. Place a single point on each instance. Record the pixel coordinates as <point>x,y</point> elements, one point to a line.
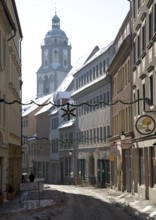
<point>31,177</point>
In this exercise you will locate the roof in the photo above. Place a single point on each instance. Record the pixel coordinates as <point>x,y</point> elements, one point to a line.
<point>95,53</point>
<point>67,124</point>
<point>46,107</point>
<point>102,77</point>
<point>26,110</point>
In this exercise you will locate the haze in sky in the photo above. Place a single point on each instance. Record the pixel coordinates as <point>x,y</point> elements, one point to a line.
<point>87,23</point>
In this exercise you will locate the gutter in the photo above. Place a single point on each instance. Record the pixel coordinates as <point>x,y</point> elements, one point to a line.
<point>8,15</point>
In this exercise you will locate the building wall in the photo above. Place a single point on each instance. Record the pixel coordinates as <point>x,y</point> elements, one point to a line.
<point>144,86</point>
<point>121,113</point>
<point>10,89</point>
<point>93,122</point>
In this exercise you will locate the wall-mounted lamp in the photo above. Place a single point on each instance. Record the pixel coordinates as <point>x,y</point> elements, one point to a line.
<point>70,153</point>
<point>123,136</point>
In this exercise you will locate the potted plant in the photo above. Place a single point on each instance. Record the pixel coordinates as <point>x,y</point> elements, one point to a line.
<point>10,192</point>
<point>1,198</point>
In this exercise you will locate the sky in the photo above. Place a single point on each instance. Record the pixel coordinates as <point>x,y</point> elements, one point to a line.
<point>87,23</point>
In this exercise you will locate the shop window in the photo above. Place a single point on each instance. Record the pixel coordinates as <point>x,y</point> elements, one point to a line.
<point>81,168</point>
<point>153,160</point>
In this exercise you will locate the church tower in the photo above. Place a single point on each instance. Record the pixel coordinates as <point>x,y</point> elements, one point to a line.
<point>56,59</point>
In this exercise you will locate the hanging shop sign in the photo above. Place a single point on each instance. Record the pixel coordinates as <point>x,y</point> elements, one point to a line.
<point>145,124</point>
<point>111,157</point>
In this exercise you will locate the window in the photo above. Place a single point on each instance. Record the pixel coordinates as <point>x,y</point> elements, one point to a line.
<point>94,130</point>
<point>98,135</point>
<point>150,33</point>
<point>107,98</point>
<point>77,83</point>
<point>81,168</point>
<point>104,100</point>
<point>91,75</point>
<point>85,79</point>
<point>133,2</point>
<point>151,89</point>
<point>134,53</point>
<point>104,134</point>
<point>45,63</point>
<point>104,66</point>
<point>134,97</point>
<point>97,70</point>
<point>91,136</point>
<point>82,80</point>
<point>107,62</point>
<point>87,136</point>
<point>143,38</point>
<point>54,146</point>
<point>93,72</point>
<point>143,92</point>
<point>100,68</point>
<point>101,133</point>
<point>94,102</point>
<point>87,76</point>
<point>100,101</point>
<point>138,46</point>
<point>84,137</point>
<point>108,131</point>
<point>97,102</point>
<point>138,4</point>
<point>138,102</point>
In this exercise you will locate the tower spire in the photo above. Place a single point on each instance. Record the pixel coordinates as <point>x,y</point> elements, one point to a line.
<point>55,9</point>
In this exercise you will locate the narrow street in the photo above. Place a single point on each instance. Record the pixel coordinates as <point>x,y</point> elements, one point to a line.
<point>72,203</point>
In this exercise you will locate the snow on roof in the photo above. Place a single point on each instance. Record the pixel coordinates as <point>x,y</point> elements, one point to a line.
<point>95,55</point>
<point>98,53</point>
<point>46,107</point>
<point>67,124</point>
<point>69,78</point>
<point>83,59</point>
<point>89,84</point>
<point>31,107</point>
<point>60,95</point>
<point>54,111</point>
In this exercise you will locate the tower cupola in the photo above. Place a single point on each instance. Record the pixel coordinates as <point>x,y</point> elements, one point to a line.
<point>56,22</point>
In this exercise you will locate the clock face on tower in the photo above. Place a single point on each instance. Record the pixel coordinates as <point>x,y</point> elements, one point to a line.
<point>65,51</point>
<point>45,52</point>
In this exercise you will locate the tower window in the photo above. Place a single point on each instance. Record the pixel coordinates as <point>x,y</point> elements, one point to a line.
<point>65,42</point>
<point>46,63</point>
<point>55,52</point>
<point>65,63</point>
<point>55,40</point>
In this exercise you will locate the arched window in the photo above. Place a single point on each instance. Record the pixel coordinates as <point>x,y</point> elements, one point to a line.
<point>46,85</point>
